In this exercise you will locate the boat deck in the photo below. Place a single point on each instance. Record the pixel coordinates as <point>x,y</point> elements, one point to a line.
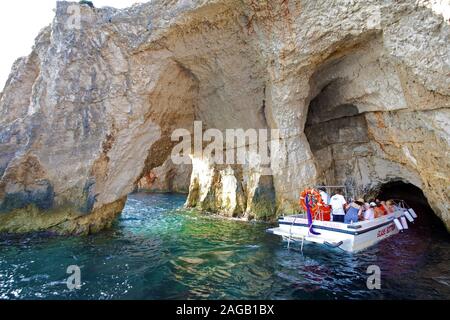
<point>349,237</point>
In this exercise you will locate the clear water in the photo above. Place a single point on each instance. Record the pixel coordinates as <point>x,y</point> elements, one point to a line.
<point>157,251</point>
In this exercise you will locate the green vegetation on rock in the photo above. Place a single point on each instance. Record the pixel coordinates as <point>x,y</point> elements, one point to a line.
<point>89,3</point>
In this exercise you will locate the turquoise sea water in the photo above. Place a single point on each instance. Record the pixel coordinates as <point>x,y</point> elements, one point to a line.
<point>158,251</point>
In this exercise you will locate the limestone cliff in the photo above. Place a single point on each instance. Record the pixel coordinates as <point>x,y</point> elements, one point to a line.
<point>360,91</point>
<point>167,178</point>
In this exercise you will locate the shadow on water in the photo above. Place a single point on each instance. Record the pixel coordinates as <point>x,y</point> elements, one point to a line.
<point>158,251</point>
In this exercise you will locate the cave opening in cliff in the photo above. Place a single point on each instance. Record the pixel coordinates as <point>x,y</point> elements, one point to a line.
<point>340,96</point>
<point>333,137</point>
<point>408,192</point>
<point>172,106</point>
<point>400,190</point>
<point>337,133</point>
<point>349,139</point>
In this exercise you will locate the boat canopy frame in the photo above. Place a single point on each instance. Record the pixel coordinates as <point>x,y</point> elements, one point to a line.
<point>349,193</point>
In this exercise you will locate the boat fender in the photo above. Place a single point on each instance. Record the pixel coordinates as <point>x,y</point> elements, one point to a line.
<point>412,212</point>
<point>409,216</point>
<point>398,224</point>
<point>404,223</point>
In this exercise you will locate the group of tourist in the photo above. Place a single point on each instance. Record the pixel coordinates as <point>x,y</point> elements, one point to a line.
<point>355,210</point>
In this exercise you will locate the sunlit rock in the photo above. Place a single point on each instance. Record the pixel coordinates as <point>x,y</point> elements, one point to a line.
<point>358,90</point>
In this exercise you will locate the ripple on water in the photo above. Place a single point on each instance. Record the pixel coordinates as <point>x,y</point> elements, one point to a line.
<point>157,251</point>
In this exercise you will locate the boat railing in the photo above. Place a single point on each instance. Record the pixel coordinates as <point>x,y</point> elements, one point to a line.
<point>318,215</point>
<point>401,204</point>
<point>302,215</point>
<point>349,193</point>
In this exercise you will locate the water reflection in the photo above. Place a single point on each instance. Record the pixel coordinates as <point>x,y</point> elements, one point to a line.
<point>156,251</point>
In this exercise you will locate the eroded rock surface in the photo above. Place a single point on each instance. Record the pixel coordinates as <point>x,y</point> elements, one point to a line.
<point>167,178</point>
<point>358,89</point>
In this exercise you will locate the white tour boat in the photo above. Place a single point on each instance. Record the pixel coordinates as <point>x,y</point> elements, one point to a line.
<point>349,237</point>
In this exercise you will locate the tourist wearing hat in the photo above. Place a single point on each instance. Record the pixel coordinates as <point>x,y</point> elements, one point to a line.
<point>369,214</point>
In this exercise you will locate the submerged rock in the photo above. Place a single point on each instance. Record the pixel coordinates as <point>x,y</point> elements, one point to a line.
<point>359,91</point>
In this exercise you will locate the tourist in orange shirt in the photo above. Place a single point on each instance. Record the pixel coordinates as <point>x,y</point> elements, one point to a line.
<point>379,210</point>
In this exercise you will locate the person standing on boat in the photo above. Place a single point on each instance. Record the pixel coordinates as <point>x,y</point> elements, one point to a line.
<point>324,195</point>
<point>337,203</point>
<point>354,211</point>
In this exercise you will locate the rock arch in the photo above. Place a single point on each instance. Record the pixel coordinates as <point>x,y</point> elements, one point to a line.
<point>357,123</point>
<point>97,104</point>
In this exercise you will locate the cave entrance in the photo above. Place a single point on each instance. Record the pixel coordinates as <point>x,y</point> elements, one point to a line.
<point>410,193</point>
<point>334,136</point>
<point>336,125</point>
<point>416,199</point>
<point>167,178</point>
<point>350,91</point>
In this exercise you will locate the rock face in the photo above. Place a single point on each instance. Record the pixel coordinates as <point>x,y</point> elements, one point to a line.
<point>360,92</point>
<point>167,178</point>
